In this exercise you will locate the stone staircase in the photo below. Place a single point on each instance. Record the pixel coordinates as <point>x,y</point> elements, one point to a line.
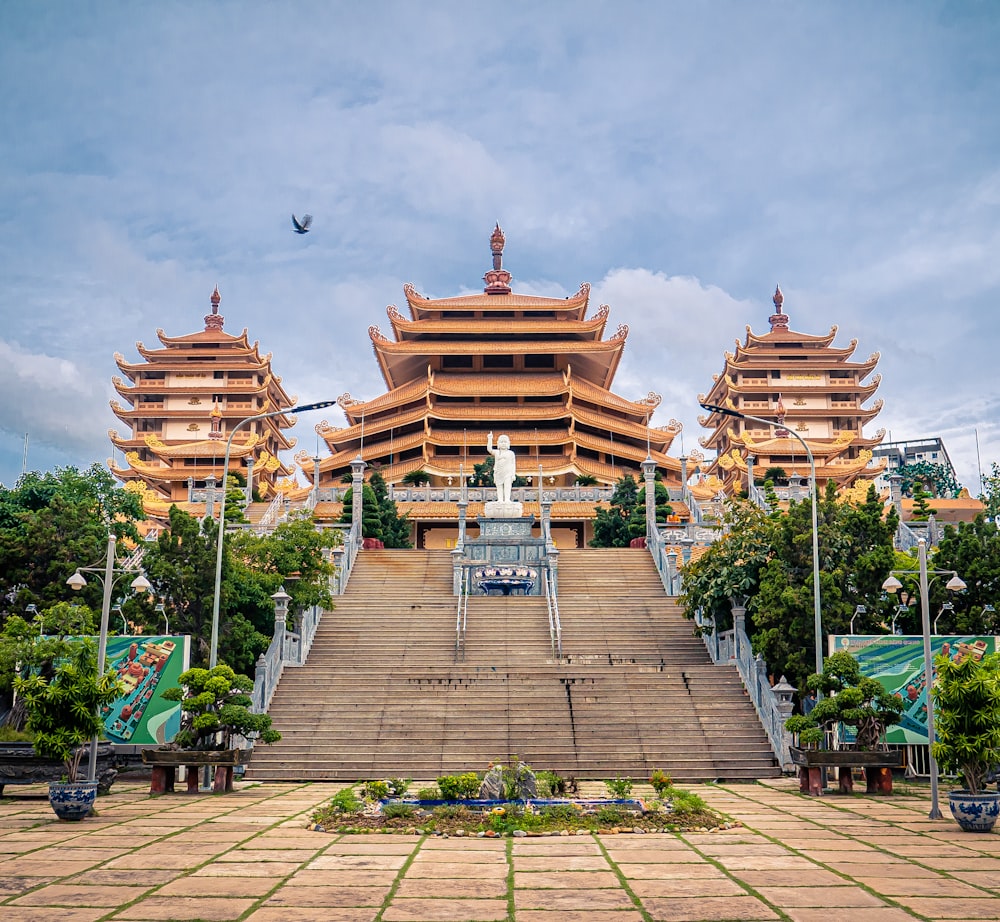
<point>383,696</point>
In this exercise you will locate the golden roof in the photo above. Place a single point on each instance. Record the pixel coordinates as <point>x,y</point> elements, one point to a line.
<point>420,305</point>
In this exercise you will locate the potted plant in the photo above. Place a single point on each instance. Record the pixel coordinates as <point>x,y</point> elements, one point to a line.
<point>849,698</point>
<point>967,724</point>
<point>859,703</point>
<point>215,711</point>
<point>64,714</point>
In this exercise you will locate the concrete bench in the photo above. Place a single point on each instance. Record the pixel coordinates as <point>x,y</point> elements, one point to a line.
<point>878,766</point>
<point>505,579</point>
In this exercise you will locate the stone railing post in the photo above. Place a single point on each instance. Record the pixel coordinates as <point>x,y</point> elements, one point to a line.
<point>210,498</point>
<point>281,600</point>
<point>739,626</point>
<point>248,493</point>
<point>671,571</point>
<point>259,684</point>
<point>648,473</point>
<point>357,482</point>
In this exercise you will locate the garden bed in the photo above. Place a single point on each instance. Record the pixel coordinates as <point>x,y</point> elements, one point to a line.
<point>489,819</point>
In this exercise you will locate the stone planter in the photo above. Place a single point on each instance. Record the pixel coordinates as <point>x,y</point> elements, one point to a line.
<point>72,800</point>
<point>878,766</point>
<point>20,764</point>
<point>166,761</point>
<point>974,812</point>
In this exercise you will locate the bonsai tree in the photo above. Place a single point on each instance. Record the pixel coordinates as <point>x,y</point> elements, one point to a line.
<point>850,698</point>
<point>215,709</point>
<point>64,710</point>
<point>967,717</point>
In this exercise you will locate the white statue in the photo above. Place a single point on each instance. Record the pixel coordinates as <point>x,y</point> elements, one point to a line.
<point>503,466</point>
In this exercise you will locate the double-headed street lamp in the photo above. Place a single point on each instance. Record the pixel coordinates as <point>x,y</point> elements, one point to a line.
<point>892,584</point>
<point>817,611</point>
<point>107,574</point>
<point>213,654</point>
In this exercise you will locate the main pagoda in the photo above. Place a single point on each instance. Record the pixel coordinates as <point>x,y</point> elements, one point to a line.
<point>807,385</point>
<point>184,399</point>
<point>537,369</point>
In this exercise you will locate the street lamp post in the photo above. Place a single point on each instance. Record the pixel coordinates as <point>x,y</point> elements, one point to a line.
<point>214,646</point>
<point>892,584</point>
<point>107,575</point>
<point>817,610</point>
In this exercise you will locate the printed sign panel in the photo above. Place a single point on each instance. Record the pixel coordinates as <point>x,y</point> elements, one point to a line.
<point>147,666</point>
<point>897,661</point>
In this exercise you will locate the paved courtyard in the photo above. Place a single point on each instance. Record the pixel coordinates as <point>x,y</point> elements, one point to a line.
<point>249,856</point>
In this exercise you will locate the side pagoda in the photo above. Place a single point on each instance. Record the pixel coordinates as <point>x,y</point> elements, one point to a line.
<point>183,400</point>
<point>808,385</point>
<point>534,368</point>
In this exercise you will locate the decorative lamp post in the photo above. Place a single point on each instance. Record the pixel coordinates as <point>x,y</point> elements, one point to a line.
<point>161,609</point>
<point>817,610</point>
<point>893,585</point>
<point>214,645</point>
<point>107,575</point>
<point>858,610</point>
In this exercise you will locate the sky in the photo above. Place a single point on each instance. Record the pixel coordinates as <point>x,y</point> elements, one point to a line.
<point>684,158</point>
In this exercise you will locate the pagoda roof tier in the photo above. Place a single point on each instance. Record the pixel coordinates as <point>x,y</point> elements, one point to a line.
<point>271,386</point>
<point>775,385</point>
<point>400,362</point>
<point>157,472</point>
<point>373,451</point>
<point>203,448</point>
<point>838,469</point>
<point>636,453</point>
<point>659,437</point>
<point>571,308</point>
<point>640,409</point>
<point>337,435</point>
<point>820,340</point>
<point>516,329</point>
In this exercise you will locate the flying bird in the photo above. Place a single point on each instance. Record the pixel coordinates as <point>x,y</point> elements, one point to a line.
<point>302,227</point>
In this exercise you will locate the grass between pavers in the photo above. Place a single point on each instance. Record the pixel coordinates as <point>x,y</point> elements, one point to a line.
<point>398,879</point>
<point>843,808</point>
<point>184,830</point>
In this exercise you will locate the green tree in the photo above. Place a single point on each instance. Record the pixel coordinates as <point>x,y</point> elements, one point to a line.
<point>395,527</point>
<point>181,567</point>
<point>990,497</point>
<point>936,479</point>
<point>972,550</point>
<point>52,523</point>
<point>371,518</point>
<point>729,571</point>
<point>625,518</point>
<point>855,556</point>
<point>922,510</point>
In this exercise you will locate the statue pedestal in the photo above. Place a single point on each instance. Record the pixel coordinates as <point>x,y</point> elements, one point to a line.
<point>497,510</point>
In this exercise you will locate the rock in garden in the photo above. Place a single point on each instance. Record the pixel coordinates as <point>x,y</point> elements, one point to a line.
<point>492,786</point>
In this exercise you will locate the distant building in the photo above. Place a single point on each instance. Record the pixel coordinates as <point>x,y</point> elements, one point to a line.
<point>911,451</point>
<point>807,386</point>
<point>183,401</point>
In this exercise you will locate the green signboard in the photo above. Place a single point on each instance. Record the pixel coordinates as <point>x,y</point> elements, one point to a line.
<point>147,666</point>
<point>897,661</point>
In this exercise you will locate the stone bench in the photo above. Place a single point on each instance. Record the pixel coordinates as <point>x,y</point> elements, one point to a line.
<point>20,764</point>
<point>165,763</point>
<point>878,766</point>
<point>505,579</point>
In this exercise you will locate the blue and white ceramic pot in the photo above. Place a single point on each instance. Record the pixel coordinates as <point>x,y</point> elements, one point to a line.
<point>974,812</point>
<point>72,800</point>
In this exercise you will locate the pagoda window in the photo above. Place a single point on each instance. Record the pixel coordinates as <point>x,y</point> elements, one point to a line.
<point>503,400</point>
<point>776,374</point>
<point>498,361</point>
<point>448,450</point>
<point>794,358</point>
<point>455,361</point>
<point>218,375</point>
<point>540,361</point>
<point>461,314</point>
<point>506,315</point>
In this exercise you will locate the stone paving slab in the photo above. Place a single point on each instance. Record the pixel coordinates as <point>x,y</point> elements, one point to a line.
<point>249,856</point>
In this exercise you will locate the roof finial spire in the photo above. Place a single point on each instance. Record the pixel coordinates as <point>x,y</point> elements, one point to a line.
<point>497,279</point>
<point>779,319</point>
<point>215,320</point>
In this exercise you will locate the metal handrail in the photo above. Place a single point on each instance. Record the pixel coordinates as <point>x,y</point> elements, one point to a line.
<point>552,610</point>
<point>270,515</point>
<point>733,647</point>
<point>462,616</point>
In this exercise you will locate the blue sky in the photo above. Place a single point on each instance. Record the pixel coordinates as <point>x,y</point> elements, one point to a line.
<point>683,158</point>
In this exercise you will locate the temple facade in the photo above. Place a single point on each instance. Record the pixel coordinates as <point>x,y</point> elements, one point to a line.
<point>809,387</point>
<point>182,401</point>
<point>537,369</point>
